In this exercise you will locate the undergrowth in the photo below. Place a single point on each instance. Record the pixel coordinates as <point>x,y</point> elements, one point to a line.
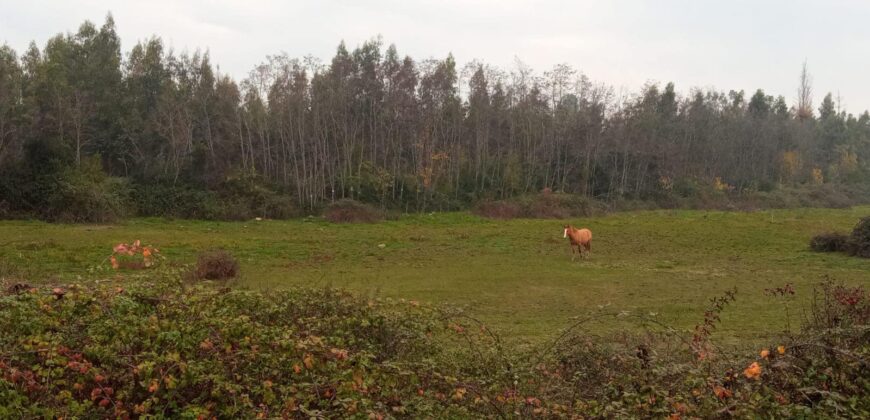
<point>161,346</point>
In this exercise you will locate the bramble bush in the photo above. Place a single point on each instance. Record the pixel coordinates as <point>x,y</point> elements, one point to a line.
<point>829,242</point>
<point>859,241</point>
<point>240,197</point>
<point>163,348</point>
<point>856,244</point>
<point>352,211</point>
<point>159,346</point>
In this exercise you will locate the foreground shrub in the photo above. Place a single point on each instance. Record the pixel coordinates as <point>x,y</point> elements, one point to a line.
<point>829,242</point>
<point>216,265</point>
<point>158,348</point>
<point>859,240</point>
<point>351,211</point>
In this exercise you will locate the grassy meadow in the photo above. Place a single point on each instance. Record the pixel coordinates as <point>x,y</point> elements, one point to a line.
<point>516,275</point>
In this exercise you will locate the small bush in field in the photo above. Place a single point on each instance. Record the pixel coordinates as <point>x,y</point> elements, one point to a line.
<point>551,206</point>
<point>134,256</point>
<point>859,240</point>
<point>216,265</point>
<point>829,242</point>
<point>352,211</point>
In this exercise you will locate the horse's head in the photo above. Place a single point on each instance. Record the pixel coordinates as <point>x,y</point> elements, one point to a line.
<point>565,233</point>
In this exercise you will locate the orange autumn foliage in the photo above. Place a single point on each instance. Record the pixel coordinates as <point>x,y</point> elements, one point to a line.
<point>753,371</point>
<point>722,393</point>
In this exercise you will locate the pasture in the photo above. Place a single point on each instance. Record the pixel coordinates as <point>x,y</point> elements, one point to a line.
<point>516,275</point>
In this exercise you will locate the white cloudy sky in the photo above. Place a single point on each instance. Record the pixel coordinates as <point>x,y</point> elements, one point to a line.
<point>736,44</point>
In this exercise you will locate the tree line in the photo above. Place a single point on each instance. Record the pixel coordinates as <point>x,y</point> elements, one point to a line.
<point>85,128</point>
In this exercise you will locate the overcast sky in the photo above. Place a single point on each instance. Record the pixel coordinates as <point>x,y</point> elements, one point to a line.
<point>723,44</point>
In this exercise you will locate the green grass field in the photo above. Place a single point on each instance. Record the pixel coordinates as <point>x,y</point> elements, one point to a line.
<point>516,275</point>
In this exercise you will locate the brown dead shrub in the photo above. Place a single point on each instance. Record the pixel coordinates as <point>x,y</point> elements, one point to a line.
<point>548,206</point>
<point>858,243</point>
<point>216,265</point>
<point>829,242</point>
<point>544,205</point>
<point>498,210</point>
<point>352,211</point>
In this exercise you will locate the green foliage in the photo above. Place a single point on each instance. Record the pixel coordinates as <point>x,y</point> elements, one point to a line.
<point>829,242</point>
<point>859,241</point>
<point>87,195</point>
<point>376,127</point>
<point>160,347</point>
<point>644,260</point>
<point>81,193</point>
<point>242,197</point>
<point>156,346</point>
<point>249,193</point>
<point>176,200</point>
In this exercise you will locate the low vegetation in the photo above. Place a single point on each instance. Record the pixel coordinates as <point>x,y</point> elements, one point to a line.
<point>157,346</point>
<point>829,242</point>
<point>350,211</point>
<point>857,243</point>
<point>130,333</point>
<point>216,264</point>
<point>545,205</point>
<point>688,195</point>
<point>859,240</point>
<point>516,274</point>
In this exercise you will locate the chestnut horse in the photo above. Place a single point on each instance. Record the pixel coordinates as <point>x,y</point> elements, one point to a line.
<point>581,238</point>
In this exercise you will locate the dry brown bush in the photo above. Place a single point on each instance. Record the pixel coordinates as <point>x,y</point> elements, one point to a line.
<point>216,265</point>
<point>351,211</point>
<point>829,242</point>
<point>498,210</point>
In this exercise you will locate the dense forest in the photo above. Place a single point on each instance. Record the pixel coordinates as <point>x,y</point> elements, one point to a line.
<point>89,133</point>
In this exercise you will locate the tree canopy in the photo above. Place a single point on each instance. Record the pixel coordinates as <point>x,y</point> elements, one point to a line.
<point>78,117</point>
